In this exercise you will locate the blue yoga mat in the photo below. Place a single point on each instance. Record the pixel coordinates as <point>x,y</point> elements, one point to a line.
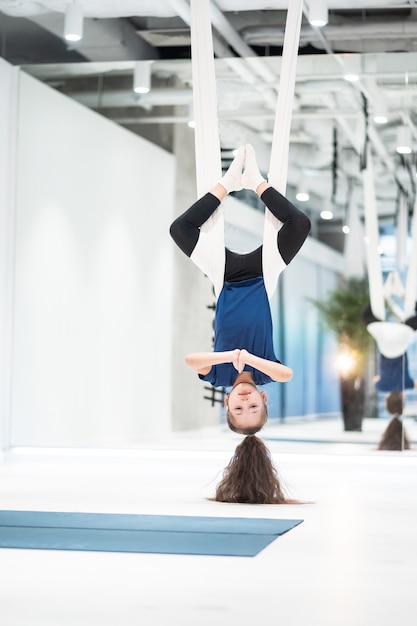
<point>162,534</point>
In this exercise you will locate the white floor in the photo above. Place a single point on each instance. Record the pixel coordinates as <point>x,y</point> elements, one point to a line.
<point>352,562</point>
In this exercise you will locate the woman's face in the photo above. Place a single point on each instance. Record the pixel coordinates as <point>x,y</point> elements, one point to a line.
<point>246,405</point>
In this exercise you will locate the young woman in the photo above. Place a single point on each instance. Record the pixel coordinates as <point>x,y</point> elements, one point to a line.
<point>243,356</point>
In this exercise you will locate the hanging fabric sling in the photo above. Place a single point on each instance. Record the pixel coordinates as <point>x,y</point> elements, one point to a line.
<point>411,282</point>
<point>392,338</point>
<point>209,253</point>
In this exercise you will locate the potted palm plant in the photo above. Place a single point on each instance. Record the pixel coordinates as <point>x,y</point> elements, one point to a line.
<point>341,312</point>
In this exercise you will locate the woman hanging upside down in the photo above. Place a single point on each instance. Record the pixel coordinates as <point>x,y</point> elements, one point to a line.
<point>243,356</point>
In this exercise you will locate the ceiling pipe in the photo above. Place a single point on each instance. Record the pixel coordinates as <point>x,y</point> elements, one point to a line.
<point>182,8</point>
<point>359,88</point>
<point>120,98</point>
<point>255,67</point>
<point>225,115</point>
<point>395,29</point>
<point>230,35</point>
<point>223,26</point>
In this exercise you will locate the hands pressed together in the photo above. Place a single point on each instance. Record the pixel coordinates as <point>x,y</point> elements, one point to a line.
<point>276,370</point>
<point>240,359</point>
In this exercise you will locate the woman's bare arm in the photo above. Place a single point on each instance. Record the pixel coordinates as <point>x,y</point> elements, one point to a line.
<point>202,362</point>
<point>277,371</point>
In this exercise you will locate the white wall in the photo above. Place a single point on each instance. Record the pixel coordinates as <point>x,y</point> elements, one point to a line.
<point>8,105</point>
<point>92,296</point>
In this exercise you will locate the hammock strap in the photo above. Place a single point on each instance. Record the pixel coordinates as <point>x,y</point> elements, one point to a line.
<point>209,253</point>
<point>278,167</point>
<point>411,283</point>
<point>376,295</point>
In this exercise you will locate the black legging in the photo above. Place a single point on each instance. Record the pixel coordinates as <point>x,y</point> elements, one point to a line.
<point>185,231</point>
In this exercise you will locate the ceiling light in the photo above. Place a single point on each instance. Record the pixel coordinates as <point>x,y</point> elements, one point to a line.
<point>326,215</point>
<point>346,229</point>
<point>403,140</point>
<point>379,107</point>
<point>351,64</point>
<point>142,77</point>
<point>380,111</point>
<point>318,14</point>
<point>191,120</point>
<point>351,77</point>
<point>302,194</point>
<point>73,27</point>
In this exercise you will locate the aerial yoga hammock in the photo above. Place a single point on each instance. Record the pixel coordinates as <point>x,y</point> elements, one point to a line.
<point>242,282</point>
<point>207,141</point>
<point>392,337</point>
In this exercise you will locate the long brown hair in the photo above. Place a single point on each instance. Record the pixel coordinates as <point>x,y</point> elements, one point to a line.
<point>250,477</point>
<point>394,436</point>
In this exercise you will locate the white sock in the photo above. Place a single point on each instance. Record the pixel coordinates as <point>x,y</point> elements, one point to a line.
<point>232,179</point>
<point>251,177</point>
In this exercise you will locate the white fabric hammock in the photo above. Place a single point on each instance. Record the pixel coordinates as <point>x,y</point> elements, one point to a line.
<point>377,291</point>
<point>376,295</point>
<point>278,166</point>
<point>411,283</point>
<point>391,338</point>
<point>209,253</point>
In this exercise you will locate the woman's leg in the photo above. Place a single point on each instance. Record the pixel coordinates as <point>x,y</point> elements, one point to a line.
<point>199,232</point>
<point>185,229</point>
<point>286,227</point>
<point>295,224</point>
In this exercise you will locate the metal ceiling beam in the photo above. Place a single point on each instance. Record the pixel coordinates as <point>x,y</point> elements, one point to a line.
<point>103,40</point>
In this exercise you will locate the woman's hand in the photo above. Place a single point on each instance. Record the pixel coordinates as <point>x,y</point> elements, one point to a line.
<point>235,359</point>
<point>243,355</point>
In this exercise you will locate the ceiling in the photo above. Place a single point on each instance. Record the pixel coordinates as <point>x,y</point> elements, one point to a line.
<point>330,115</point>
